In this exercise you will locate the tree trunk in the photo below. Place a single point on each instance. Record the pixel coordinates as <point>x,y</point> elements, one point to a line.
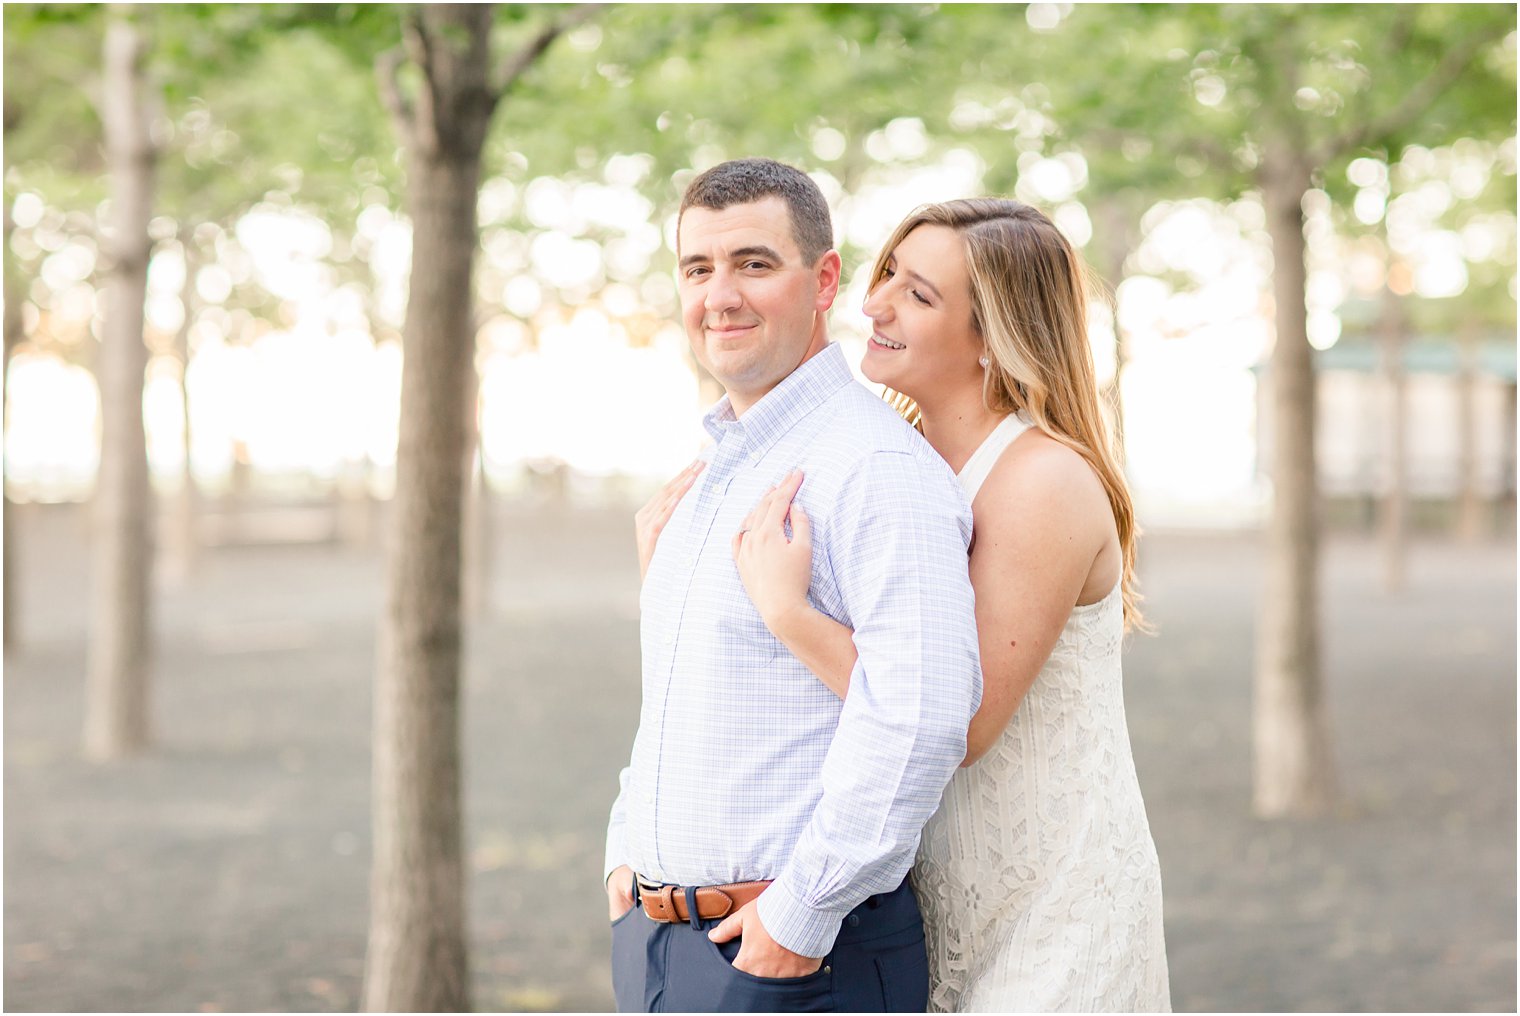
<point>417,953</point>
<point>182,534</point>
<point>13,329</point>
<point>477,512</point>
<point>1470,520</point>
<point>116,703</point>
<point>1113,250</point>
<point>417,950</point>
<point>1393,523</point>
<point>1293,773</point>
<point>1506,497</point>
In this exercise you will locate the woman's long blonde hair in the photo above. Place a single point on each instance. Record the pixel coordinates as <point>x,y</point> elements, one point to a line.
<point>1029,306</point>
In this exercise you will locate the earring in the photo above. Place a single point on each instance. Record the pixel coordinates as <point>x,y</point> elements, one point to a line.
<point>983,362</point>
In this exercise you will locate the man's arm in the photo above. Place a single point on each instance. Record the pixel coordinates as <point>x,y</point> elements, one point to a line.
<point>899,537</point>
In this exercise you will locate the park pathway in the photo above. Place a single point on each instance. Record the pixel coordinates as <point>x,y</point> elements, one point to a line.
<point>228,869</point>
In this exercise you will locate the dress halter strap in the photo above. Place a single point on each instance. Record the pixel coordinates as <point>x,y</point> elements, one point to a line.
<point>979,466</point>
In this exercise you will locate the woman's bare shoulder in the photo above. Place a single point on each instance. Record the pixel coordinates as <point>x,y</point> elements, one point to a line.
<point>1039,480</point>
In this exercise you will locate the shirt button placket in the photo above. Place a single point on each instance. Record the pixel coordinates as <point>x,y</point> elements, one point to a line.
<point>710,490</point>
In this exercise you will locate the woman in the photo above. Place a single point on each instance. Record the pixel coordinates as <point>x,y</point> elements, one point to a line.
<point>1037,876</point>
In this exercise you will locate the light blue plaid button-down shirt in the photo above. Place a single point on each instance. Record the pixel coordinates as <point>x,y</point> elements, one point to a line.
<point>745,765</point>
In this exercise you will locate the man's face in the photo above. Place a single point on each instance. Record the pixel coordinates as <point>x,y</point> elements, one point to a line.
<point>753,310</point>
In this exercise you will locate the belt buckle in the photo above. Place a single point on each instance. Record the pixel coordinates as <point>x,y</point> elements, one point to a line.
<point>665,894</point>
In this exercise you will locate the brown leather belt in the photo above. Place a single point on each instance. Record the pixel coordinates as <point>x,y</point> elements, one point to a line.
<point>667,903</point>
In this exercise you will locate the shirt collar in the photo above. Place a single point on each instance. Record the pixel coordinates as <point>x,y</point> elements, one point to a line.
<point>798,394</point>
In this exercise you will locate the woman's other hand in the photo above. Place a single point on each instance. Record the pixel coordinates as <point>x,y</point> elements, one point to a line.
<point>776,571</point>
<point>651,519</point>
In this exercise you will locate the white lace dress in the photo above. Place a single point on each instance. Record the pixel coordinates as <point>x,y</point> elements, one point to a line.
<point>1037,876</point>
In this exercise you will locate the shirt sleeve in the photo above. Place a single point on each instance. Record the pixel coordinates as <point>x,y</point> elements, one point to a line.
<point>617,842</point>
<point>898,543</point>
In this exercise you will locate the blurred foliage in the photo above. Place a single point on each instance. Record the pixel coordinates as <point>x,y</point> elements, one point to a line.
<point>52,129</point>
<point>276,105</point>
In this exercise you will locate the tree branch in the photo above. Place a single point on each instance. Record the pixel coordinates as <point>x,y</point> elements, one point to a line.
<point>1416,101</point>
<point>1402,30</point>
<point>418,45</point>
<point>425,112</point>
<point>388,74</point>
<point>13,114</point>
<point>525,57</point>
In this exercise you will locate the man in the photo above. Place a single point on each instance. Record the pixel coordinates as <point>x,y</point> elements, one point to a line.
<point>757,851</point>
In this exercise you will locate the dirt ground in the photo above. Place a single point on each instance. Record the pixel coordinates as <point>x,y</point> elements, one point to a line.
<point>227,870</point>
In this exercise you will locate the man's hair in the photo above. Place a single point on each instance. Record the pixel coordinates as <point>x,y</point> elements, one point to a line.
<point>741,181</point>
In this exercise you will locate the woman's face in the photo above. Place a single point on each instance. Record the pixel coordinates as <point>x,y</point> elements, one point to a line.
<point>923,343</point>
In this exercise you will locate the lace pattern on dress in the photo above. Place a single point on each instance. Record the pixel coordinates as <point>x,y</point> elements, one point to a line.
<point>1037,876</point>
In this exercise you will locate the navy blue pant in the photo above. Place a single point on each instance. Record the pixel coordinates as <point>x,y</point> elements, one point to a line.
<point>877,964</point>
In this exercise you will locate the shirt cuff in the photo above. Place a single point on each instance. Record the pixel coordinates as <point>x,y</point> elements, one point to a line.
<point>617,852</point>
<point>805,930</point>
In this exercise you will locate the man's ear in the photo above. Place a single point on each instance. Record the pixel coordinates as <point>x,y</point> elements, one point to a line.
<point>829,269</point>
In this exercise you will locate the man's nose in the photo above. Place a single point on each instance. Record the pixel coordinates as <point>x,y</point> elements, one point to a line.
<point>722,293</point>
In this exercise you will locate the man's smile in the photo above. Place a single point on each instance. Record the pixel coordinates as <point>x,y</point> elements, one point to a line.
<point>730,331</point>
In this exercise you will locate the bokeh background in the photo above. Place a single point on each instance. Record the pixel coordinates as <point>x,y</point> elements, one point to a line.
<point>253,168</point>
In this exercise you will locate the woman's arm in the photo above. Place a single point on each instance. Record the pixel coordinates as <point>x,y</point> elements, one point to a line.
<point>1042,524</point>
<point>776,572</point>
<point>824,646</point>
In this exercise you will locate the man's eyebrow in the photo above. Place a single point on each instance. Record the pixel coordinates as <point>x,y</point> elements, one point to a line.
<point>754,251</point>
<point>757,251</point>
